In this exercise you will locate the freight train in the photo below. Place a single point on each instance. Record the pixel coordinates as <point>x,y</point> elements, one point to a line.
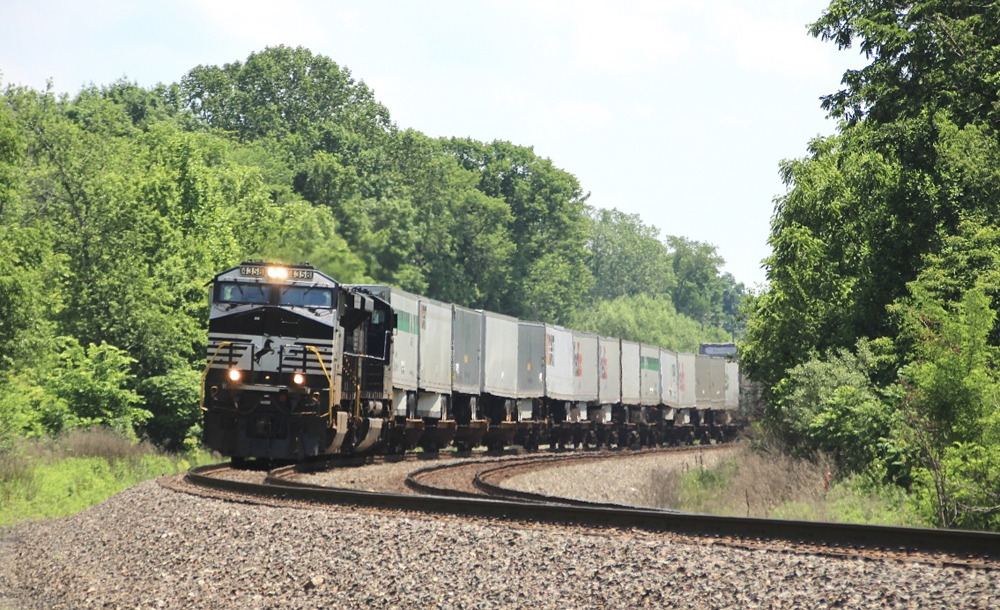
<point>299,365</point>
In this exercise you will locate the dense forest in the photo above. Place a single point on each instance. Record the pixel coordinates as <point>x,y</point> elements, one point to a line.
<point>876,341</point>
<point>118,204</point>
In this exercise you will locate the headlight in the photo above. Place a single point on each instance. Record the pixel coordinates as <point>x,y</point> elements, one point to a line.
<point>299,378</point>
<point>277,273</point>
<point>234,374</point>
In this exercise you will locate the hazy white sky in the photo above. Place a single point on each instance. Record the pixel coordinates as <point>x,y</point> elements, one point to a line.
<point>677,111</point>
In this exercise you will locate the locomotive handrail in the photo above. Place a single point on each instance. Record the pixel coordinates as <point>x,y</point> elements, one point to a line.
<point>329,380</point>
<point>204,376</point>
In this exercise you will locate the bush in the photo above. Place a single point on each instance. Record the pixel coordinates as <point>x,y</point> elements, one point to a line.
<point>173,401</point>
<point>29,408</point>
<point>830,405</point>
<point>948,415</point>
<point>95,382</point>
<point>806,391</point>
<point>75,387</point>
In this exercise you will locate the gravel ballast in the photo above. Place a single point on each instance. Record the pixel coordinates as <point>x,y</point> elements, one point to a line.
<point>625,479</point>
<point>388,477</point>
<point>155,547</point>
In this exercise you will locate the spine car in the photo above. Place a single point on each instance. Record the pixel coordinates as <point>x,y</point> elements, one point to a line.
<point>300,365</point>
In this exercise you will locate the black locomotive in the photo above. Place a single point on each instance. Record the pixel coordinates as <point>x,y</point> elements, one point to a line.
<point>297,363</point>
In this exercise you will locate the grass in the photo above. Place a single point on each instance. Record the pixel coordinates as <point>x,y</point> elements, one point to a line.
<point>41,479</point>
<point>769,484</point>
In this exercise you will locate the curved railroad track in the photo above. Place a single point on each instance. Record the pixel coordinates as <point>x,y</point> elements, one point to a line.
<point>482,495</point>
<point>485,477</point>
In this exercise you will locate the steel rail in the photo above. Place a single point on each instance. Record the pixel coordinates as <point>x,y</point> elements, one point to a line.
<point>413,482</point>
<point>963,543</point>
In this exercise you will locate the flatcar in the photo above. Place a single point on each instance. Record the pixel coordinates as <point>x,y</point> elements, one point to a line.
<point>299,365</point>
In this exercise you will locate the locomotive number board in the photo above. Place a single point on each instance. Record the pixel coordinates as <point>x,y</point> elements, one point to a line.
<point>292,274</point>
<point>252,271</point>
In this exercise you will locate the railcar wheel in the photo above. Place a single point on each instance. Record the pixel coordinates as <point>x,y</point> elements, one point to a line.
<point>531,443</point>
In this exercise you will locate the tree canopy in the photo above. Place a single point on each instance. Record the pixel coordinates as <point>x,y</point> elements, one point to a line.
<point>884,250</point>
<point>118,204</point>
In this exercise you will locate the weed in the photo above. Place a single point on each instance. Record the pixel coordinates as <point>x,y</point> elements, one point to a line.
<point>16,475</point>
<point>105,443</point>
<point>61,476</point>
<point>762,482</point>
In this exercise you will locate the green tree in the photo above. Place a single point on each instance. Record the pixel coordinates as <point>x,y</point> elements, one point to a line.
<point>698,293</point>
<point>626,256</point>
<point>462,243</point>
<point>307,233</point>
<point>912,159</point>
<point>647,319</point>
<point>948,412</point>
<point>282,92</point>
<point>731,318</point>
<point>852,230</point>
<point>548,227</point>
<point>11,157</point>
<point>924,54</point>
<point>137,221</point>
<point>27,305</point>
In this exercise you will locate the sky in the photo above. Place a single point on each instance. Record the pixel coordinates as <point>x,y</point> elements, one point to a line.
<point>677,111</point>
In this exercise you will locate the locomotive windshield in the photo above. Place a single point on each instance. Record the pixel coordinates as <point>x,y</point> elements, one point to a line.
<point>233,292</point>
<point>313,297</point>
<point>305,296</point>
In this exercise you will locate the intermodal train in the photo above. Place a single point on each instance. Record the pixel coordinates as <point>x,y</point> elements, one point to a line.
<point>300,365</point>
